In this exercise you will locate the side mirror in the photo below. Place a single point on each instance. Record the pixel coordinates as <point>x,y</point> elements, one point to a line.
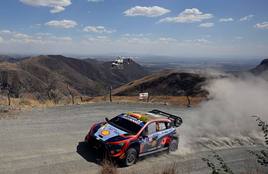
<point>143,134</point>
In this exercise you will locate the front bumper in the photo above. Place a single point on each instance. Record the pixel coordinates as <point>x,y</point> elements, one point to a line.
<point>104,148</point>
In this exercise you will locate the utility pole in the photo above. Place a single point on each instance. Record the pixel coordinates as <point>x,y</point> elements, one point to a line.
<point>110,92</point>
<point>8,97</point>
<point>188,101</point>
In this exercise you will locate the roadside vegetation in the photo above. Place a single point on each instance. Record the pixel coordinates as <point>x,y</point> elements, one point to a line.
<point>111,168</point>
<point>29,102</point>
<point>257,159</point>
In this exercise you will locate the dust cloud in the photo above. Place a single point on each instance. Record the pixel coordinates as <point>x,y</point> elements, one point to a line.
<point>225,120</point>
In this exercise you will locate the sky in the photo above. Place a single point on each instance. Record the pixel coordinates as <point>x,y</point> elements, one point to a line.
<point>177,28</point>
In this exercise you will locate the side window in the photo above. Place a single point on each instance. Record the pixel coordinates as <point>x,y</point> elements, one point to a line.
<point>161,126</point>
<point>151,128</point>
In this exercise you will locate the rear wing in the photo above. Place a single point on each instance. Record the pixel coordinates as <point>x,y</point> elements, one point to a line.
<point>176,120</point>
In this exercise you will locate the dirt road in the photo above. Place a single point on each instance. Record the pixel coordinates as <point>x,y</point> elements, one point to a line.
<point>46,141</point>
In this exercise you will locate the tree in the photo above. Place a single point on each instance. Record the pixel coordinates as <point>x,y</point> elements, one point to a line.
<point>5,86</point>
<point>53,93</point>
<point>71,93</point>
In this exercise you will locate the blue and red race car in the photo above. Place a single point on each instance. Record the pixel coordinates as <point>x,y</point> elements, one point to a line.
<point>131,135</point>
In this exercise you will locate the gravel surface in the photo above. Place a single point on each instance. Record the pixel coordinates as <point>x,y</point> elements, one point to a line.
<point>46,141</point>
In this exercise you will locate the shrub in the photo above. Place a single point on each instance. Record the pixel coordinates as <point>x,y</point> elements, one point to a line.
<point>262,155</point>
<point>108,167</point>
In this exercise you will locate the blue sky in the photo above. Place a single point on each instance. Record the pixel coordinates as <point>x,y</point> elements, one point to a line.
<point>181,28</point>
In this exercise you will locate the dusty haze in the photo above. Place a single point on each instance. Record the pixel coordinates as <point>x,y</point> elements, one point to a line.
<point>226,120</point>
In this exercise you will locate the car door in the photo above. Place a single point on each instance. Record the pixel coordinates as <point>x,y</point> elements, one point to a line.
<point>162,133</point>
<point>149,138</point>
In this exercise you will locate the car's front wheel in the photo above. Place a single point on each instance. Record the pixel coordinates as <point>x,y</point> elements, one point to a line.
<point>131,157</point>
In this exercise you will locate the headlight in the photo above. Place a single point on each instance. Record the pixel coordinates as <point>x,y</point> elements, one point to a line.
<point>115,148</point>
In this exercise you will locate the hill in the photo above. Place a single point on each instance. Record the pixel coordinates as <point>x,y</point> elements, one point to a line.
<point>261,70</point>
<point>167,82</point>
<point>42,76</point>
<point>262,67</point>
<point>4,58</point>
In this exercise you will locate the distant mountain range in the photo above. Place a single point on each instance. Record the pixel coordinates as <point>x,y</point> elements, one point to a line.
<point>175,83</point>
<point>54,75</point>
<point>166,82</point>
<point>41,74</point>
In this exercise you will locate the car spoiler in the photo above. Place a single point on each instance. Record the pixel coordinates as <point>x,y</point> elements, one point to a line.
<point>176,120</point>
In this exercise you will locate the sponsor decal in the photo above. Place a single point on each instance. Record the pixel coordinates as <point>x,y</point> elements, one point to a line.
<point>138,116</point>
<point>108,131</point>
<point>105,132</point>
<point>132,119</point>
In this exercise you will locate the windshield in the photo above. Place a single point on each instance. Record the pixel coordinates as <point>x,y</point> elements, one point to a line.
<point>125,124</point>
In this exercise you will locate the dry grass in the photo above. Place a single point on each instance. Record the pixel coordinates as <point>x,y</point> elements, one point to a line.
<point>170,169</point>
<point>108,167</point>
<point>24,103</point>
<point>250,166</point>
<point>168,100</point>
<point>29,102</point>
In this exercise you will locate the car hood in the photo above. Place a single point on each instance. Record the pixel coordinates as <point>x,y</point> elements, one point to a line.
<point>108,131</point>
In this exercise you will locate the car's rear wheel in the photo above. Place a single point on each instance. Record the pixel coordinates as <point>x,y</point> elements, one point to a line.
<point>131,157</point>
<point>173,145</point>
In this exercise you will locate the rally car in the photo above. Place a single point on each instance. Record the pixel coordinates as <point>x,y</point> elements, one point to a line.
<point>129,136</point>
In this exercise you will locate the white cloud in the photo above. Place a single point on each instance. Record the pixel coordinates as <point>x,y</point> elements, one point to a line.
<point>55,5</point>
<point>5,32</point>
<point>1,39</point>
<point>98,29</point>
<point>40,38</point>
<point>198,41</point>
<point>263,25</point>
<point>136,35</point>
<point>98,39</point>
<point>21,36</point>
<point>239,38</point>
<point>167,40</point>
<point>57,9</point>
<point>202,41</point>
<point>144,39</point>
<point>226,20</point>
<point>135,40</point>
<point>61,24</point>
<point>45,43</point>
<point>188,16</point>
<point>43,34</point>
<point>146,11</point>
<point>207,25</point>
<point>60,39</point>
<point>246,18</point>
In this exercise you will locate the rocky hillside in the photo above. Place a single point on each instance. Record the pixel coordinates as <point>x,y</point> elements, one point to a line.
<point>42,74</point>
<point>262,67</point>
<point>261,70</point>
<point>167,82</point>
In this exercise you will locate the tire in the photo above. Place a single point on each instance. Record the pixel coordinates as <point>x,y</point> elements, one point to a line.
<point>131,157</point>
<point>173,145</point>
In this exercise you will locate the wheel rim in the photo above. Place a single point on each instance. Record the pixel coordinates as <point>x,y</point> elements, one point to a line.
<point>130,158</point>
<point>173,146</point>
